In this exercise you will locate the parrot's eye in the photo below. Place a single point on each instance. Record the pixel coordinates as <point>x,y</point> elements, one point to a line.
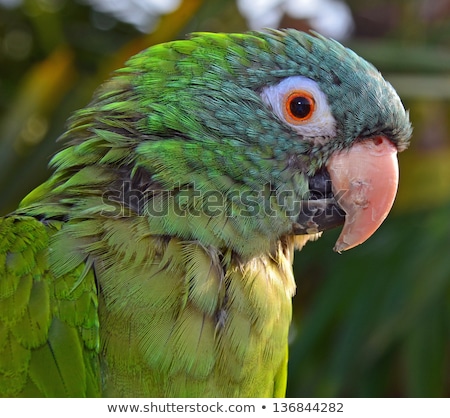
<point>300,106</point>
<point>300,103</point>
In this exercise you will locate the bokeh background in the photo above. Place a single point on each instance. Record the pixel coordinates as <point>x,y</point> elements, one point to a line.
<point>373,322</point>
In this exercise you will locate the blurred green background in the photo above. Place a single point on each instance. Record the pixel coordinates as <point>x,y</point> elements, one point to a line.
<point>373,322</point>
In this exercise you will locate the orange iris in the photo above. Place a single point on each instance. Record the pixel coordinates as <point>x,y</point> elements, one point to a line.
<point>299,106</point>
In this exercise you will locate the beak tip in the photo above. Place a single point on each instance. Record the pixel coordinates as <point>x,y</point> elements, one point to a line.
<point>341,246</point>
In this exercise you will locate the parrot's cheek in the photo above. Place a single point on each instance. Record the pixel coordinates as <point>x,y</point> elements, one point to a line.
<point>364,181</point>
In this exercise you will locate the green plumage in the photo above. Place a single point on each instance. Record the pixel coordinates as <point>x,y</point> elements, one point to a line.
<point>49,325</point>
<point>135,270</point>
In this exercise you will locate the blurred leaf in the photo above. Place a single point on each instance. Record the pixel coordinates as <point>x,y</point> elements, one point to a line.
<point>393,56</point>
<point>379,324</point>
<point>424,180</point>
<point>26,122</point>
<point>169,27</point>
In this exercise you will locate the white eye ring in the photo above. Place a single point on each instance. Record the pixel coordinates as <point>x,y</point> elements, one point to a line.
<point>318,120</point>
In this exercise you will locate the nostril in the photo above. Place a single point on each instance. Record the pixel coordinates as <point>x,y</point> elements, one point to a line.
<point>378,140</point>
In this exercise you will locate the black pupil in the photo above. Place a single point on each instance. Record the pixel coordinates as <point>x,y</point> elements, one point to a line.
<point>300,106</point>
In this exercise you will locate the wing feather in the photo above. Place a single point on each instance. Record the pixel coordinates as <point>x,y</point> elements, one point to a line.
<point>48,322</point>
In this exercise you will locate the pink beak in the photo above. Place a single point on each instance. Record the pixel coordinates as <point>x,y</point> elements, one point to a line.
<point>365,181</point>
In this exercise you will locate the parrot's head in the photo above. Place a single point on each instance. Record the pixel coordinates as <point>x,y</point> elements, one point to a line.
<point>240,139</point>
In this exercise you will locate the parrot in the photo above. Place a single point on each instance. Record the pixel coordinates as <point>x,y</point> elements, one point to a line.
<point>156,260</point>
